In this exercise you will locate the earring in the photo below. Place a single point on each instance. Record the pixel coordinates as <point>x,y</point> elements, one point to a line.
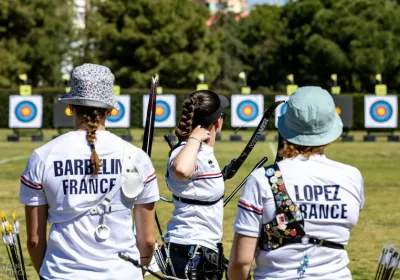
<point>71,112</point>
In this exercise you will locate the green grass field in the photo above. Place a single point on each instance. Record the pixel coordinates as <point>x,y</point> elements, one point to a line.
<point>378,162</point>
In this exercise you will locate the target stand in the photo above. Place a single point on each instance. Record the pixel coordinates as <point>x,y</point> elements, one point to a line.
<point>381,117</point>
<point>235,138</point>
<point>344,108</point>
<point>62,117</point>
<point>373,134</point>
<point>36,135</point>
<point>124,133</point>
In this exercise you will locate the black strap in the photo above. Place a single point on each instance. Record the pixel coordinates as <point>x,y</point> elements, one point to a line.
<point>196,202</point>
<point>314,241</point>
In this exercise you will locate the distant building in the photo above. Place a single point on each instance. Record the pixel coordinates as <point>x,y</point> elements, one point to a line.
<point>79,23</point>
<point>80,11</point>
<point>216,7</point>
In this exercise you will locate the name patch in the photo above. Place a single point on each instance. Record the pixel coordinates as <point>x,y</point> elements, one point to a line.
<point>306,195</point>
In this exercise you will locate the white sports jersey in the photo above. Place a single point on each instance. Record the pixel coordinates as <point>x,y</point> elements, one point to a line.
<point>58,174</point>
<point>330,195</point>
<point>197,224</point>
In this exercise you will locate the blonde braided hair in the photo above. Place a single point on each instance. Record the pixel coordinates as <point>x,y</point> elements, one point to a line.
<point>92,118</point>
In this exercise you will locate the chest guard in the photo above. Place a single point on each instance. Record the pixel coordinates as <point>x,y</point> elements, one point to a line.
<point>288,224</point>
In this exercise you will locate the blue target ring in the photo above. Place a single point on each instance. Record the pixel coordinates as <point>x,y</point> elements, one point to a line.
<point>247,110</point>
<point>283,108</point>
<point>25,111</point>
<point>381,111</point>
<point>162,111</point>
<point>117,115</point>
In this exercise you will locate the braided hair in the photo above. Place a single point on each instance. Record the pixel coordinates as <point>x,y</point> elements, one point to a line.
<point>197,105</point>
<point>92,117</point>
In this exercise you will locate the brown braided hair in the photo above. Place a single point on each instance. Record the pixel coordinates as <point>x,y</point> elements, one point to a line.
<point>197,105</point>
<point>91,119</point>
<point>291,150</point>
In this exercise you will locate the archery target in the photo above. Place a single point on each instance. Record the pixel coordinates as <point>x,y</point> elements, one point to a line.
<point>62,116</point>
<point>162,111</point>
<point>380,111</point>
<point>281,109</point>
<point>165,112</point>
<point>120,118</point>
<point>25,111</point>
<point>246,109</point>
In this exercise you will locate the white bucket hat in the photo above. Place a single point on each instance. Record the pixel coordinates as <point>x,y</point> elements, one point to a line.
<point>91,85</point>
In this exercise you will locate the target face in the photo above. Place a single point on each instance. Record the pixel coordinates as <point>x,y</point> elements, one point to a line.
<point>165,110</point>
<point>381,111</point>
<point>116,115</point>
<point>281,109</point>
<point>247,110</point>
<point>162,111</point>
<point>120,118</point>
<point>25,111</point>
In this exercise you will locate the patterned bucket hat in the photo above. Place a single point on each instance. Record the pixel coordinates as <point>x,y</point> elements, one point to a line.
<point>91,85</point>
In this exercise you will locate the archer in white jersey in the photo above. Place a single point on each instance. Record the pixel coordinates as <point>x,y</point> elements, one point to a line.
<point>196,182</point>
<point>66,181</point>
<point>297,215</point>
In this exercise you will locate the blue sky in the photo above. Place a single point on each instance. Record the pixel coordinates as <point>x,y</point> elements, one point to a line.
<point>253,2</point>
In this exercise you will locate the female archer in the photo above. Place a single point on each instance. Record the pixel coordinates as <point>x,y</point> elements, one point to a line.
<point>193,175</point>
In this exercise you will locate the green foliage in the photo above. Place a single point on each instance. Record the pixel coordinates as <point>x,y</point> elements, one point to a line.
<point>232,53</point>
<point>137,39</point>
<point>34,37</point>
<point>314,38</point>
<point>263,31</point>
<point>311,39</point>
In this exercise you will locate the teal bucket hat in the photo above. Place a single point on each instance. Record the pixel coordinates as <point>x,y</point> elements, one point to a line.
<point>310,118</point>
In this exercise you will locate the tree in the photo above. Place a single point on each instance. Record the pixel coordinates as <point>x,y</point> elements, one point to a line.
<point>137,39</point>
<point>263,32</point>
<point>367,31</point>
<point>34,37</point>
<point>354,38</point>
<point>232,53</point>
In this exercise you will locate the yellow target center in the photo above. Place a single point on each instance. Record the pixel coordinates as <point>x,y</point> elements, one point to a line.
<point>381,111</point>
<point>338,110</point>
<point>68,112</point>
<point>159,111</point>
<point>26,111</point>
<point>247,111</point>
<point>114,112</point>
